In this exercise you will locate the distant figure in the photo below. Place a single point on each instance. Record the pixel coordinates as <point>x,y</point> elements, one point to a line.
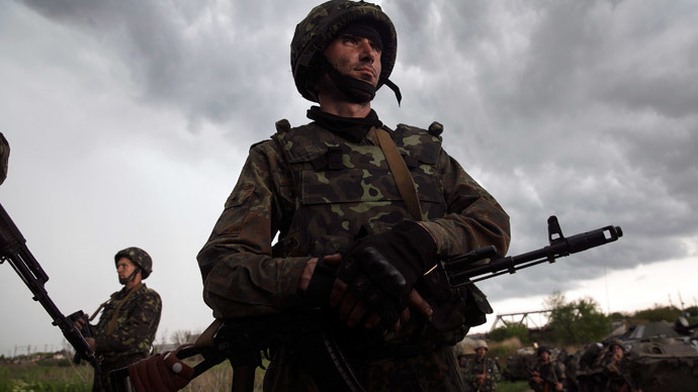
<point>546,375</point>
<point>480,373</point>
<point>130,318</point>
<point>4,157</point>
<point>616,370</point>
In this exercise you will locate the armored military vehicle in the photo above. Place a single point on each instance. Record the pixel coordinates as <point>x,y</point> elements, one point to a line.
<point>659,357</point>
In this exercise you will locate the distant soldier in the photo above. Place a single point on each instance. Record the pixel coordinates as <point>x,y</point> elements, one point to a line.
<point>616,370</point>
<point>4,157</point>
<point>127,327</point>
<point>480,373</point>
<point>546,375</point>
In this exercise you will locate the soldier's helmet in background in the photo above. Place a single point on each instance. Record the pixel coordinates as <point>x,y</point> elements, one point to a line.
<point>480,344</point>
<point>320,27</point>
<point>139,257</point>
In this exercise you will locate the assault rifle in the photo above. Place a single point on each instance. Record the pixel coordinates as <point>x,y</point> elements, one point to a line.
<point>13,249</point>
<point>242,341</point>
<point>465,269</point>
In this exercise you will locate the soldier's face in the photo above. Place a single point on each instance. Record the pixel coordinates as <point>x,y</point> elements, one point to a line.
<point>480,352</point>
<point>617,351</point>
<point>355,56</point>
<point>124,268</point>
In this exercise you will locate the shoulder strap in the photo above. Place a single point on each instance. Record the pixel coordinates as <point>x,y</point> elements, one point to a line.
<point>112,322</point>
<point>398,168</point>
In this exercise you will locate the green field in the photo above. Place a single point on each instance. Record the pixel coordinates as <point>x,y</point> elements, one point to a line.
<point>65,377</point>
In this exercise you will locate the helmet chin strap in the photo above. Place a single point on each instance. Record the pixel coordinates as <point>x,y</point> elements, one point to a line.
<point>129,278</point>
<point>356,90</point>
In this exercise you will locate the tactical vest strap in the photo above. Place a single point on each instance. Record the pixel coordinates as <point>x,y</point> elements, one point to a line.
<point>398,168</point>
<point>112,323</point>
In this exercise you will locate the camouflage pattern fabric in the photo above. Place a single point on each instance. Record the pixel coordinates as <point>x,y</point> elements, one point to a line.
<point>322,24</point>
<point>551,372</point>
<point>137,256</point>
<point>135,330</point>
<point>477,366</point>
<point>618,376</point>
<point>319,192</point>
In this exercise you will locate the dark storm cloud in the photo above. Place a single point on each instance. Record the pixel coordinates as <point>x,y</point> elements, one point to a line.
<point>582,109</point>
<point>217,62</point>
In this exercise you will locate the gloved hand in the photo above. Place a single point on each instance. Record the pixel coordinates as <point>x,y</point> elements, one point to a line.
<point>160,373</point>
<point>381,269</point>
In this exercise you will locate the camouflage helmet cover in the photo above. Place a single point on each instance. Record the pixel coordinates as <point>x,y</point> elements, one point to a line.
<point>321,26</point>
<point>616,342</point>
<point>139,257</point>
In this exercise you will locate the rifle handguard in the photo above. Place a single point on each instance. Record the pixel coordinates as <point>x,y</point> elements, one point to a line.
<point>463,269</point>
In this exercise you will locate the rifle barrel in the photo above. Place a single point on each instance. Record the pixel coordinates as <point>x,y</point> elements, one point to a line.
<point>463,269</point>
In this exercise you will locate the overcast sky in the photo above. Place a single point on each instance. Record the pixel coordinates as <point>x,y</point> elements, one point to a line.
<point>129,122</point>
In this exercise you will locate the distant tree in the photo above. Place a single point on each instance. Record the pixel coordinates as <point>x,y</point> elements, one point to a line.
<point>576,322</point>
<point>659,313</point>
<point>617,316</point>
<point>515,330</point>
<point>183,337</point>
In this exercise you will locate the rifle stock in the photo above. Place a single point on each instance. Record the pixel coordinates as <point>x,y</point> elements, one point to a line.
<point>464,269</point>
<point>13,249</point>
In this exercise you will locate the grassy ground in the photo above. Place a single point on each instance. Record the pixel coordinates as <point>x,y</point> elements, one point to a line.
<point>71,378</point>
<point>45,378</point>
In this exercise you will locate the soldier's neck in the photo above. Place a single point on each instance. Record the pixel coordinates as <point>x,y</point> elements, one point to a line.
<point>133,283</point>
<point>345,109</point>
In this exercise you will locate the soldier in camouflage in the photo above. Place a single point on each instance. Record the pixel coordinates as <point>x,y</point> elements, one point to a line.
<point>480,372</point>
<point>616,374</point>
<point>129,320</point>
<point>349,240</point>
<point>547,375</point>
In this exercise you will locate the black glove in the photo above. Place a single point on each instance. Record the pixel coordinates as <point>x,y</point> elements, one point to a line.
<point>382,269</point>
<point>318,292</point>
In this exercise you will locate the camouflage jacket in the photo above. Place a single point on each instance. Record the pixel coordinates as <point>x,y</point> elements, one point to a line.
<point>318,191</point>
<point>243,276</point>
<point>475,367</point>
<point>618,376</point>
<point>135,327</point>
<point>551,372</point>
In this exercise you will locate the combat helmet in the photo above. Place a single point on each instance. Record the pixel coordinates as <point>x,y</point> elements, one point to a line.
<point>320,27</point>
<point>542,349</point>
<point>139,257</point>
<point>480,344</point>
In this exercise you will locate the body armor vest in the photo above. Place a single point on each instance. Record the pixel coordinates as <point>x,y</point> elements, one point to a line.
<point>344,190</point>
